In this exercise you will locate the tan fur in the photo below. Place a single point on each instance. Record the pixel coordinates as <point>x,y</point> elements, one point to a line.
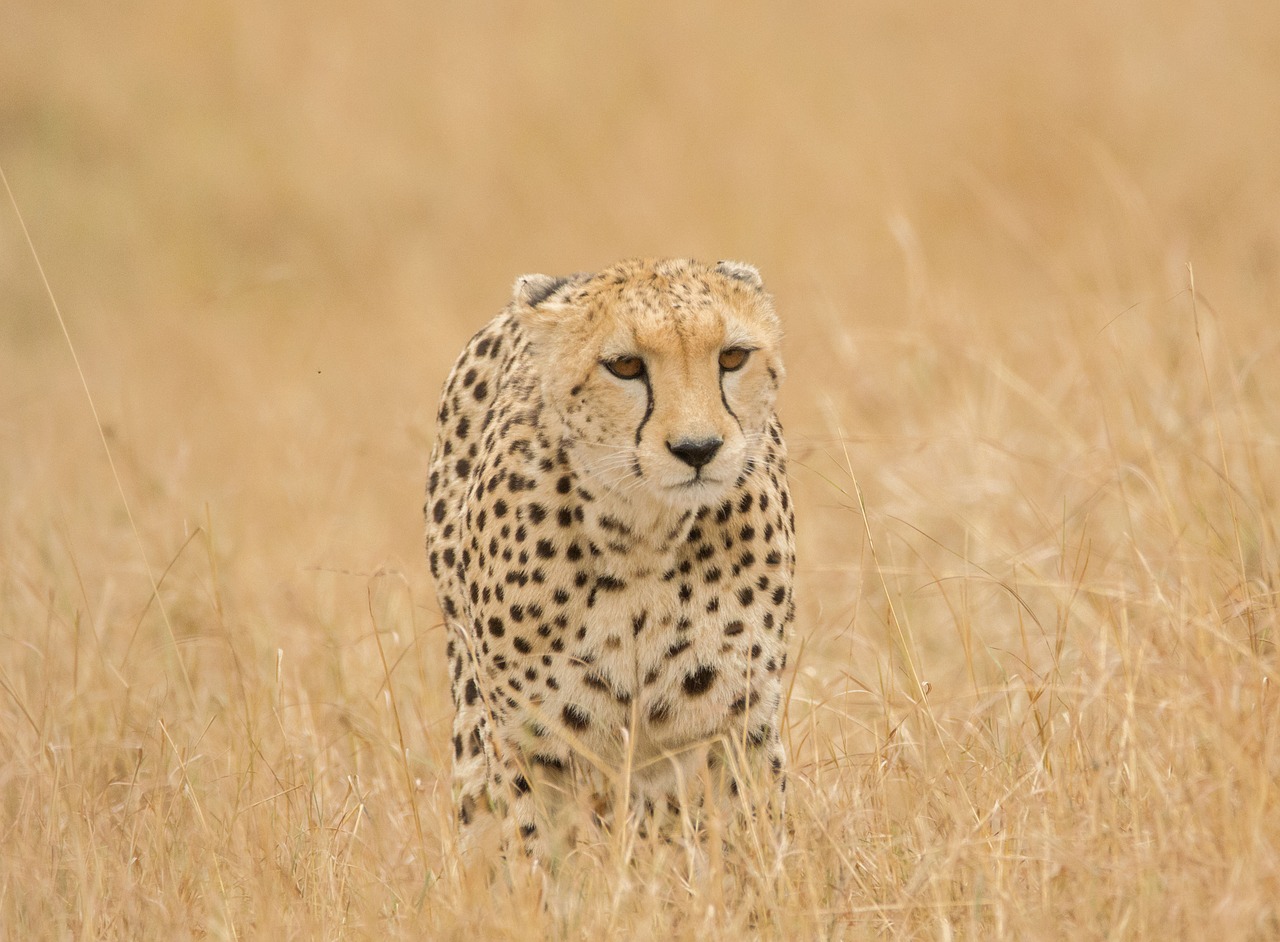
<point>615,610</point>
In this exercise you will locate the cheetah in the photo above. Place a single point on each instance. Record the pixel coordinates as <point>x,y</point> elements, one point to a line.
<point>612,539</point>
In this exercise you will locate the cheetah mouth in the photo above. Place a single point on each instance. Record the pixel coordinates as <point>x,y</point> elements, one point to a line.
<point>697,482</point>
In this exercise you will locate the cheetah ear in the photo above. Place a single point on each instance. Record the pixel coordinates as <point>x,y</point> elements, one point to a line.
<point>741,271</point>
<point>532,290</point>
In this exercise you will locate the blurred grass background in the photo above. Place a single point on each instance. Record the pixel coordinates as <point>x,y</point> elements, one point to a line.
<point>270,228</point>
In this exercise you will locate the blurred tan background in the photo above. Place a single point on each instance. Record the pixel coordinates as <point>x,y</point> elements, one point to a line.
<point>270,227</point>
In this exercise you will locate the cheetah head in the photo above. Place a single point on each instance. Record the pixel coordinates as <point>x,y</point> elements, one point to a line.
<point>662,372</point>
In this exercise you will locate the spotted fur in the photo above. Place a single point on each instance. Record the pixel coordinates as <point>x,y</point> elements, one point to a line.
<point>613,556</point>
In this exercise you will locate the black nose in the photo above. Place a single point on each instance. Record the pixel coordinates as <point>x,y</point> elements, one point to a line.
<point>695,453</point>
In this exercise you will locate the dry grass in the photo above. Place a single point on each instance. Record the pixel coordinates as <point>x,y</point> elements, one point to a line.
<point>1034,687</point>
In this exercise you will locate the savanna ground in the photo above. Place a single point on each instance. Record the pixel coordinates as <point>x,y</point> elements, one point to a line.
<point>1033,686</point>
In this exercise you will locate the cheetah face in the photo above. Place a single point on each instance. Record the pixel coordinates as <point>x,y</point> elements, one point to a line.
<point>663,374</point>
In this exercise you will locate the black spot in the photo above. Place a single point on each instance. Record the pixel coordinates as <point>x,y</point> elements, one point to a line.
<point>548,762</point>
<point>560,597</point>
<point>496,628</point>
<point>575,717</point>
<point>564,517</point>
<point>522,645</point>
<point>500,508</point>
<point>537,513</point>
<point>712,575</point>
<point>471,693</point>
<point>595,682</point>
<point>686,592</point>
<point>734,627</point>
<point>528,830</point>
<point>565,484</point>
<point>573,553</point>
<point>481,390</point>
<point>610,584</point>
<point>520,784</point>
<point>438,511</point>
<point>779,594</point>
<point>546,549</point>
<point>637,623</point>
<point>659,712</point>
<point>700,681</point>
<point>746,595</point>
<point>679,647</point>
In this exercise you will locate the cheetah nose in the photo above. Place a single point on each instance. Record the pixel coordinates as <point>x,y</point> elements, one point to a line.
<point>695,452</point>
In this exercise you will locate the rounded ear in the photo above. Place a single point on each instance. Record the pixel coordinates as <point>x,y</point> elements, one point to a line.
<point>741,271</point>
<point>532,290</point>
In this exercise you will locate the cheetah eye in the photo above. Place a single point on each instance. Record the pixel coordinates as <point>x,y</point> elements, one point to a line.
<point>625,367</point>
<point>733,359</point>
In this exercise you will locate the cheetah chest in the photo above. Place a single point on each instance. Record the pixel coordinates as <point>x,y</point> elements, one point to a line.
<point>627,646</point>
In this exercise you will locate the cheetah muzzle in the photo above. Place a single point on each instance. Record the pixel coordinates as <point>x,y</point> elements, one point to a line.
<point>612,539</point>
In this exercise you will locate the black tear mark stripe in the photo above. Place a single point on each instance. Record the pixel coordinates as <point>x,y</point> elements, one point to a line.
<point>648,409</point>
<point>725,400</point>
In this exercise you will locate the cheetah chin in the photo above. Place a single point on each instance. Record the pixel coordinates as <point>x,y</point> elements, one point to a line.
<point>612,539</point>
